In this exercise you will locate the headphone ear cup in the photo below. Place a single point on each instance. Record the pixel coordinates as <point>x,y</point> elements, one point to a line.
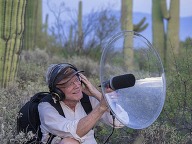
<point>58,94</point>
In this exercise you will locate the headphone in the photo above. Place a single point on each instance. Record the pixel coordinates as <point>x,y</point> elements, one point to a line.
<point>56,93</point>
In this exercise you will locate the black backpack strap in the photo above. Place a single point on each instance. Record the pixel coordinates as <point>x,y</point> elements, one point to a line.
<point>58,107</point>
<point>56,104</point>
<point>85,102</point>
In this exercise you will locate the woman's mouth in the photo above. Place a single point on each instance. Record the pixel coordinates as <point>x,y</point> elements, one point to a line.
<point>77,91</point>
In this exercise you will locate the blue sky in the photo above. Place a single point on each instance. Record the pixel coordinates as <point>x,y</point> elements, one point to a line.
<point>143,6</point>
<point>138,5</point>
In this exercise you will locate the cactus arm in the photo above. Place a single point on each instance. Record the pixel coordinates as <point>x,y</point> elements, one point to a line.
<point>164,10</point>
<point>140,27</point>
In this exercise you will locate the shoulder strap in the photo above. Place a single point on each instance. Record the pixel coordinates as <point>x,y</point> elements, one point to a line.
<point>56,105</point>
<point>85,101</point>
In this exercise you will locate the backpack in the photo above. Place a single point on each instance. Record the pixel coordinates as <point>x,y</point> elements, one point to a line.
<point>28,115</point>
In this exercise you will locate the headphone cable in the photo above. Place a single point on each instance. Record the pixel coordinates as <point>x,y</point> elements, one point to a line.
<point>112,129</point>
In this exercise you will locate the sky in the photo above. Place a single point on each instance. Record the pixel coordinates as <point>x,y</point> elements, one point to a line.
<point>138,5</point>
<point>143,6</point>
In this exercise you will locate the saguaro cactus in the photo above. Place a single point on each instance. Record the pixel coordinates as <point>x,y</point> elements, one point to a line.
<point>11,34</point>
<point>158,27</point>
<point>46,25</point>
<point>38,22</point>
<point>126,14</point>
<point>173,27</point>
<point>70,37</point>
<point>169,39</point>
<point>127,24</point>
<point>33,23</point>
<point>80,28</point>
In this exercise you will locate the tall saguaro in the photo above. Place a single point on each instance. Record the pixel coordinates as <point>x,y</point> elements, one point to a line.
<point>166,39</point>
<point>33,24</point>
<point>12,14</point>
<point>158,27</point>
<point>126,14</point>
<point>173,27</point>
<point>80,28</point>
<point>127,24</point>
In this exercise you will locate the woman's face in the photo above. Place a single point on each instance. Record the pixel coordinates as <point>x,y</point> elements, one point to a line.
<point>72,89</point>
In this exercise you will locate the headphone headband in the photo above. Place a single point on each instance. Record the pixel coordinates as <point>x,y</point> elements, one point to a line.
<point>57,70</point>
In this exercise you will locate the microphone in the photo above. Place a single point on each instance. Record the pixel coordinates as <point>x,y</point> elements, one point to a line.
<point>120,82</point>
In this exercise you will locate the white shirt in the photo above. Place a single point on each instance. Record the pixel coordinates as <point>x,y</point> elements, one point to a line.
<point>53,122</point>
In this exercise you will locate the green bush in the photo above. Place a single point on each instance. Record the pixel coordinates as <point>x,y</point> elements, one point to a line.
<point>177,109</point>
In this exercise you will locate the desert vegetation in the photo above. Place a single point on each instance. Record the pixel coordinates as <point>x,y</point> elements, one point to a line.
<point>173,125</point>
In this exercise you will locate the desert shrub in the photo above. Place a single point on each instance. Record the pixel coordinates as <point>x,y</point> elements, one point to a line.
<point>122,135</point>
<point>164,133</point>
<point>90,67</point>
<point>11,100</point>
<point>178,104</point>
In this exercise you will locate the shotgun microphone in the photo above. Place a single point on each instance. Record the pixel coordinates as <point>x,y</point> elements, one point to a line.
<point>120,82</point>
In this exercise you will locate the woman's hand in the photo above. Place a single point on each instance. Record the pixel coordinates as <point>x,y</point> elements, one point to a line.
<point>89,89</point>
